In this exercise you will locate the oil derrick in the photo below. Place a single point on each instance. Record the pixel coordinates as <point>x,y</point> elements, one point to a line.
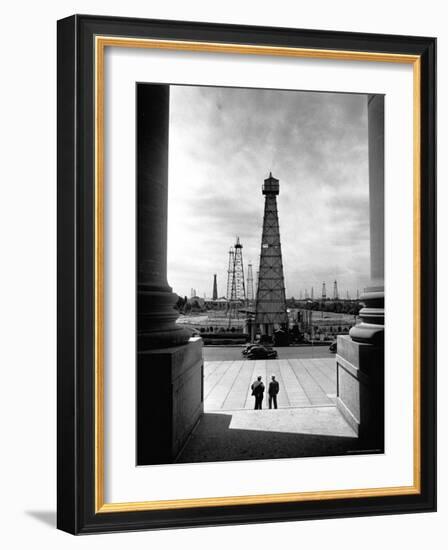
<point>230,274</point>
<point>250,284</point>
<point>270,309</point>
<point>238,288</point>
<point>324,292</point>
<point>312,293</point>
<point>236,291</point>
<point>335,291</point>
<point>215,288</point>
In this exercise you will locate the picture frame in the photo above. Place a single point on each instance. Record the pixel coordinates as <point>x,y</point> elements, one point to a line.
<point>82,42</point>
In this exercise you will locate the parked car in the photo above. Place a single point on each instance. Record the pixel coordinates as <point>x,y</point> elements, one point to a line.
<point>247,349</point>
<point>333,347</point>
<point>262,352</point>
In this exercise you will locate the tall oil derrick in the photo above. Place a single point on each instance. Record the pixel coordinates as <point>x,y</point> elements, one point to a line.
<point>238,286</point>
<point>236,291</point>
<point>270,309</point>
<point>335,291</point>
<point>312,293</point>
<point>215,288</point>
<point>250,284</point>
<point>324,292</point>
<point>230,273</point>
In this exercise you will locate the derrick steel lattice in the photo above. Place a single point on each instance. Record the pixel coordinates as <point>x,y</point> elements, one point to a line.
<point>238,290</point>
<point>250,283</point>
<point>230,274</point>
<point>270,309</point>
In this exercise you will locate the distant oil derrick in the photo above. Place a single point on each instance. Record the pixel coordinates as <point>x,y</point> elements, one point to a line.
<point>324,291</point>
<point>335,291</point>
<point>238,287</point>
<point>236,291</point>
<point>230,273</point>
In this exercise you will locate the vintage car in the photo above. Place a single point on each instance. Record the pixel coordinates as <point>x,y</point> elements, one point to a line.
<point>262,352</point>
<point>249,347</point>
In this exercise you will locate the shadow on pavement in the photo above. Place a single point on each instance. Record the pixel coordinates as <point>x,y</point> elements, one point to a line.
<point>214,440</point>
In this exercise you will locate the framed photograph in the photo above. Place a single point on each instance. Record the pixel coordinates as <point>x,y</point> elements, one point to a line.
<point>246,274</point>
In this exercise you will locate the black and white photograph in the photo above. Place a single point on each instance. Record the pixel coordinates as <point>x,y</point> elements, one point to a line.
<point>224,275</point>
<point>260,303</point>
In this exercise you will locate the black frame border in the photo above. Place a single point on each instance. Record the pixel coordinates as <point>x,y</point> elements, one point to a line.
<point>75,271</point>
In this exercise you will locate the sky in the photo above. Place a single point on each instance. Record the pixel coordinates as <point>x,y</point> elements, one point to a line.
<point>223,144</point>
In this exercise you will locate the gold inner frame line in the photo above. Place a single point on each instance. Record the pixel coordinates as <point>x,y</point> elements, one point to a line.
<point>101,42</point>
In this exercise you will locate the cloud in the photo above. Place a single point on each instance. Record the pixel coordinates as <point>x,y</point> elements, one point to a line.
<point>224,142</point>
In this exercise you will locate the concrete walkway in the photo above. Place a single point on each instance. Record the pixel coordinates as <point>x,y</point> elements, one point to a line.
<point>303,383</point>
<point>306,423</point>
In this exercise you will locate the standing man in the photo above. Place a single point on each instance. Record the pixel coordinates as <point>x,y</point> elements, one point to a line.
<point>273,390</point>
<point>258,392</point>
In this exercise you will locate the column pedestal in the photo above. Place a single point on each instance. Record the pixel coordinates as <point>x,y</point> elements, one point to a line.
<point>169,400</point>
<point>360,389</point>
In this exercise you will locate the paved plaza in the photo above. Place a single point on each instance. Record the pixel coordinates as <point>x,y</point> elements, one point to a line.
<point>306,423</point>
<point>303,383</point>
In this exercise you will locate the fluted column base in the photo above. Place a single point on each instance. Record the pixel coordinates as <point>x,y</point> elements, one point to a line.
<point>157,327</point>
<point>371,328</point>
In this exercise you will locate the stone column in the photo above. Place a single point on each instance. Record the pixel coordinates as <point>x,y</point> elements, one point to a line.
<point>371,329</point>
<point>156,314</point>
<point>360,356</point>
<point>169,363</point>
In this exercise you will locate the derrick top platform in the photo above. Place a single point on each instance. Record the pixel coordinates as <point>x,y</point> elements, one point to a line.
<point>271,186</point>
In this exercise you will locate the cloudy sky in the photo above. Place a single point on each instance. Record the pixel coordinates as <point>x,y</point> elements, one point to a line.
<point>224,142</point>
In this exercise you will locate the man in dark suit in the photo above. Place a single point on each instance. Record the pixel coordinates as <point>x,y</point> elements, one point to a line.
<point>258,392</point>
<point>273,390</point>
